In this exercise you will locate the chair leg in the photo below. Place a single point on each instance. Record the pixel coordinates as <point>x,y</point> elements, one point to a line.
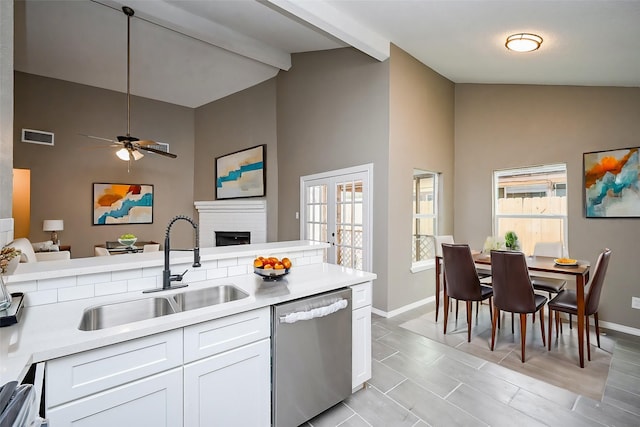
<point>550,329</point>
<point>595,317</point>
<point>544,342</point>
<point>491,308</point>
<point>512,330</point>
<point>560,322</point>
<point>457,306</point>
<point>447,303</point>
<point>570,322</point>
<point>586,319</point>
<point>558,325</point>
<point>477,310</point>
<point>469,315</point>
<point>494,322</point>
<point>523,333</point>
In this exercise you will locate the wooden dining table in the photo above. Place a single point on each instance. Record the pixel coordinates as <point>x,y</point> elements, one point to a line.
<point>540,264</point>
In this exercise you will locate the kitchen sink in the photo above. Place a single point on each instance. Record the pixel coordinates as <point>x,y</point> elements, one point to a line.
<point>120,313</point>
<point>190,300</point>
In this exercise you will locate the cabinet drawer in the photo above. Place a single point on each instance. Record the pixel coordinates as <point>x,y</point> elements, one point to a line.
<point>209,338</point>
<point>361,295</point>
<point>151,401</point>
<point>82,374</point>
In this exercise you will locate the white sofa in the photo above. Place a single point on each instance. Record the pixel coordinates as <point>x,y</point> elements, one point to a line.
<point>30,255</point>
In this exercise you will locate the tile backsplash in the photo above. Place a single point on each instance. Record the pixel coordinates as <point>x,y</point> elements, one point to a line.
<point>73,287</point>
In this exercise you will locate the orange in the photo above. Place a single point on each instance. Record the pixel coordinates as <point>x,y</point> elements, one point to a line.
<point>257,263</point>
<point>268,267</point>
<point>286,262</point>
<point>278,266</point>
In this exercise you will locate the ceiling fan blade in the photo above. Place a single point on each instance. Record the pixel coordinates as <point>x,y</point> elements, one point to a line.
<point>100,138</point>
<point>154,150</point>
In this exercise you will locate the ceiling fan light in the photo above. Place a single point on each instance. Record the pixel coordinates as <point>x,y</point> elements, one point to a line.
<point>123,154</point>
<point>523,42</point>
<point>137,155</point>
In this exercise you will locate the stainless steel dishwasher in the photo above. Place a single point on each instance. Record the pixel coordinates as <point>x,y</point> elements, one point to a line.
<point>311,366</point>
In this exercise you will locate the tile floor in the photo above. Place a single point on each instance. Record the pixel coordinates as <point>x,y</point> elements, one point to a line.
<point>420,382</point>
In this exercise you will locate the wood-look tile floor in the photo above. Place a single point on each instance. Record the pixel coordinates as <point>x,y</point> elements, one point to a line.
<point>418,381</point>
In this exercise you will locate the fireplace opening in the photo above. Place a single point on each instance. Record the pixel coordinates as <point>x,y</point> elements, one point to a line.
<point>229,238</point>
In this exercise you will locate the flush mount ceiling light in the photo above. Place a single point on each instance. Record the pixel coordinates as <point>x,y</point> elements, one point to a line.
<point>523,42</point>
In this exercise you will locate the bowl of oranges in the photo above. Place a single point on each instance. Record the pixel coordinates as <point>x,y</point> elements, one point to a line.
<point>271,268</point>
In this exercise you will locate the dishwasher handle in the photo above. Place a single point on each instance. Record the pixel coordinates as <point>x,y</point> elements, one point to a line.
<point>314,313</point>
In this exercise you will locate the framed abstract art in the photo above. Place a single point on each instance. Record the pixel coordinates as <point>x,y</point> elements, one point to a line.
<point>612,183</point>
<point>122,204</point>
<point>241,174</point>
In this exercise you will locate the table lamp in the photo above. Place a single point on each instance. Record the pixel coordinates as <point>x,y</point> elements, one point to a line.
<point>53,225</point>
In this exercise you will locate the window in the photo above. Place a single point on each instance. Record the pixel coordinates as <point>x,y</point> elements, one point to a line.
<point>531,201</point>
<point>425,216</point>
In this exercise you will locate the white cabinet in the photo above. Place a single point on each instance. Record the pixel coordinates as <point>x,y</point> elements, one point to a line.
<point>232,388</point>
<point>361,334</point>
<point>151,401</point>
<point>224,378</point>
<point>230,384</point>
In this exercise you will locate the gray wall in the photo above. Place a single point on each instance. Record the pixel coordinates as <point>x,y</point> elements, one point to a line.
<point>499,127</point>
<point>242,120</point>
<point>62,175</point>
<point>421,136</point>
<point>6,108</point>
<point>333,112</point>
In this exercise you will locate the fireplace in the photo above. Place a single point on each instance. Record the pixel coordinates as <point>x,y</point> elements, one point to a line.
<point>228,238</point>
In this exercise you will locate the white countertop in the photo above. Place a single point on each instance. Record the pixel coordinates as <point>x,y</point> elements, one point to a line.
<point>49,331</point>
<point>78,266</point>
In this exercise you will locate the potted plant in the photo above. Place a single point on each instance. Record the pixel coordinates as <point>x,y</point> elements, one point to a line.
<point>511,241</point>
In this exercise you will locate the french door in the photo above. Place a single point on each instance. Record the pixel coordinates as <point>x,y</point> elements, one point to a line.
<point>336,208</point>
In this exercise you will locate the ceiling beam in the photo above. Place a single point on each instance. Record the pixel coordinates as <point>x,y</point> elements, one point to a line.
<point>169,16</point>
<point>327,18</point>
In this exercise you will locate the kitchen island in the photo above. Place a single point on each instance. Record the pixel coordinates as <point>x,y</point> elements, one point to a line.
<point>49,332</point>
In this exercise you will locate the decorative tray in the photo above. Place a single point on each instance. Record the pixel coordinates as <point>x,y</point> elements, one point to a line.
<point>270,273</point>
<point>566,262</point>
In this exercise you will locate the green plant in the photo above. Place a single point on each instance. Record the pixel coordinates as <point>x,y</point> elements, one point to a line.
<point>511,240</point>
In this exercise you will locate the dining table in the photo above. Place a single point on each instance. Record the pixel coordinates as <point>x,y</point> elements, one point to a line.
<point>536,264</point>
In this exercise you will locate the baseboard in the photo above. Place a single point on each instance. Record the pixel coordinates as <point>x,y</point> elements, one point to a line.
<point>403,309</point>
<point>620,328</point>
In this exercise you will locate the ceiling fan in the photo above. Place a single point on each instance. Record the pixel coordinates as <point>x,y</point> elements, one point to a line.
<point>131,145</point>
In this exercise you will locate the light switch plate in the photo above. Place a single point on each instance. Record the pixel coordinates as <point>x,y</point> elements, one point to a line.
<point>635,302</point>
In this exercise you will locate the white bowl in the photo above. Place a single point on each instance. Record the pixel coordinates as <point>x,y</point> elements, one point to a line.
<point>127,242</point>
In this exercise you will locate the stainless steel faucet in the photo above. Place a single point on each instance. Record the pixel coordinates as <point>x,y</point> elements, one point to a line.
<point>167,277</point>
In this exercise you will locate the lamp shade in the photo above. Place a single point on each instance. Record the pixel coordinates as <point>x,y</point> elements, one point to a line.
<point>53,225</point>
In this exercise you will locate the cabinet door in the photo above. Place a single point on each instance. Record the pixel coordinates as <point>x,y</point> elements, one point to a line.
<point>230,389</point>
<point>152,401</point>
<point>361,349</point>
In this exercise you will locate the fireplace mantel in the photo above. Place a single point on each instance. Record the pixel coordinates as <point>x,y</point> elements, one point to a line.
<point>232,215</point>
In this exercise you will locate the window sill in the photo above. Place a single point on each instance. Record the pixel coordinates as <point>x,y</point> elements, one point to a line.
<point>422,266</point>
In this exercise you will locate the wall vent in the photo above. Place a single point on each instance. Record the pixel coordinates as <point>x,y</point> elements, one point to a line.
<point>162,146</point>
<point>37,137</point>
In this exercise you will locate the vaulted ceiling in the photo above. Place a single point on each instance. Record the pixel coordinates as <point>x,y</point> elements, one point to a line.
<point>191,52</point>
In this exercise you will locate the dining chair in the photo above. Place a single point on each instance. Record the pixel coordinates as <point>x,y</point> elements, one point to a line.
<point>548,284</point>
<point>567,301</point>
<point>101,251</point>
<point>513,292</point>
<point>463,282</point>
<point>482,273</point>
<point>151,247</point>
